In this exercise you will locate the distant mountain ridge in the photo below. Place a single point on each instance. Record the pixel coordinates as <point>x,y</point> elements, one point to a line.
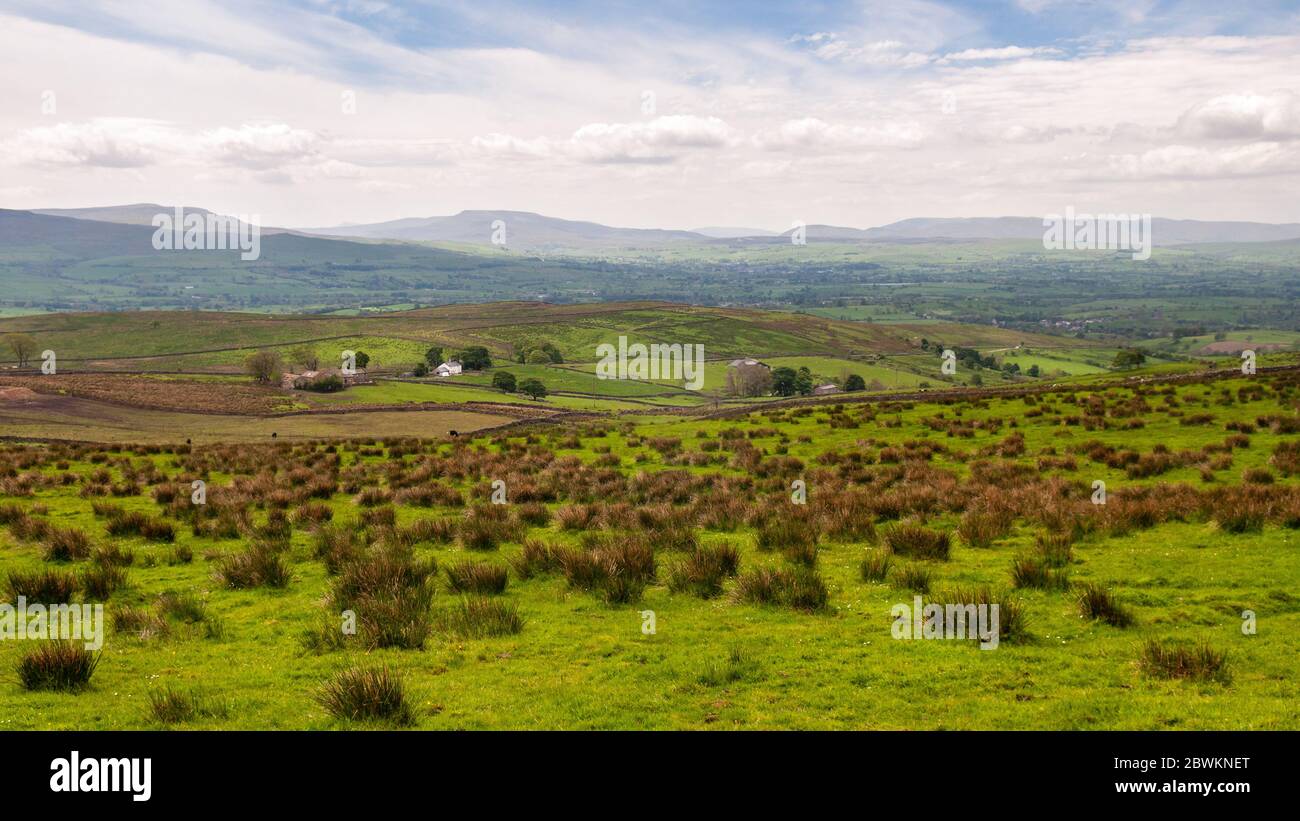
<point>140,213</point>
<point>523,230</point>
<point>1163,231</point>
<point>529,231</point>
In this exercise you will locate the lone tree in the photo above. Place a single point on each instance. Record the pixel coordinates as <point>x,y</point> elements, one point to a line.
<point>533,387</point>
<point>363,360</point>
<point>433,356</point>
<point>1129,358</point>
<point>505,381</point>
<point>264,367</point>
<point>23,347</point>
<point>854,383</point>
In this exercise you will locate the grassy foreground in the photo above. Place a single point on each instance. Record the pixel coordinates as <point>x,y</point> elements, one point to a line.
<point>1200,525</point>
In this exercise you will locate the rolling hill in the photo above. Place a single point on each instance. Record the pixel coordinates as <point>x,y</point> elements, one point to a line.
<point>523,230</point>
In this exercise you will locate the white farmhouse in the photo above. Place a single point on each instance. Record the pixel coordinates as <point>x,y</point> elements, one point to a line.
<point>448,368</point>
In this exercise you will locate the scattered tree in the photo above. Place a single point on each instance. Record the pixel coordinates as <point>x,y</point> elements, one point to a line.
<point>784,381</point>
<point>533,387</point>
<point>1129,358</point>
<point>306,357</point>
<point>803,382</point>
<point>264,366</point>
<point>475,358</point>
<point>531,353</point>
<point>504,381</point>
<point>421,369</point>
<point>749,380</point>
<point>23,347</point>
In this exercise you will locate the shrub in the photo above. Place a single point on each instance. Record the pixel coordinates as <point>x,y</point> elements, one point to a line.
<point>576,517</point>
<point>65,544</point>
<point>911,577</point>
<point>1035,572</point>
<point>737,666</point>
<point>786,532</point>
<point>1256,476</point>
<point>433,531</point>
<point>483,528</point>
<point>798,588</point>
<point>158,530</point>
<point>1011,613</point>
<point>57,665</point>
<point>618,570</point>
<point>259,566</point>
<point>185,607</point>
<point>477,577</point>
<point>99,581</point>
<point>170,706</point>
<point>479,617</point>
<point>113,555</point>
<point>143,623</point>
<point>367,694</point>
<point>875,566</point>
<point>1199,661</point>
<point>533,513</point>
<point>312,513</point>
<point>537,557</point>
<point>391,594</point>
<point>373,497</point>
<point>1054,548</point>
<point>913,540</point>
<point>1096,602</point>
<point>44,586</point>
<point>980,528</point>
<point>703,572</point>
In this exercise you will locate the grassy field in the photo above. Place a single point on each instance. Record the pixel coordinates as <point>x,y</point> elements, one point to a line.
<point>1200,525</point>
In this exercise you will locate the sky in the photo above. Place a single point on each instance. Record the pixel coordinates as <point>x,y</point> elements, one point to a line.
<point>667,114</point>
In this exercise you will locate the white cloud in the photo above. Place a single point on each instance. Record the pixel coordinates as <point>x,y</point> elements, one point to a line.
<point>813,134</point>
<point>657,140</point>
<point>1004,53</point>
<point>1191,162</point>
<point>1243,117</point>
<point>660,140</point>
<point>107,143</point>
<point>260,147</point>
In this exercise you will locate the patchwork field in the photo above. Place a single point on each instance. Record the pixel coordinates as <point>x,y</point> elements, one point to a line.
<point>1170,605</point>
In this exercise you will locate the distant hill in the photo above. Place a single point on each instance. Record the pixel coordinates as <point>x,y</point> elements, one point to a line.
<point>67,237</point>
<point>141,213</point>
<point>524,230</point>
<point>63,263</point>
<point>724,232</point>
<point>1163,231</point>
